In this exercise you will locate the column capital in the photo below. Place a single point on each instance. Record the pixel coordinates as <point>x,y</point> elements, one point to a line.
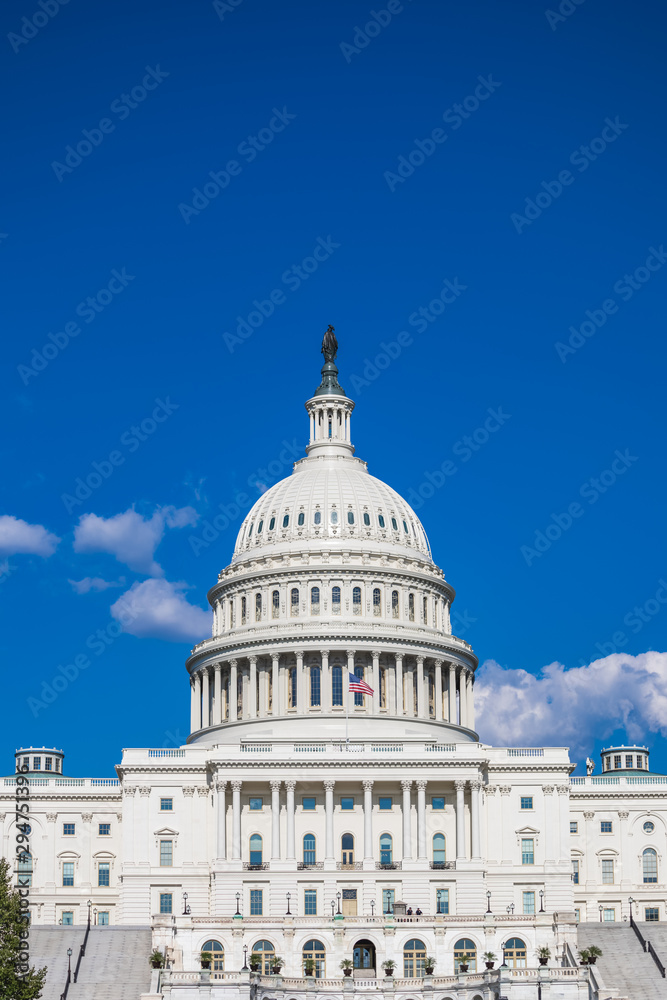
<point>351,652</point>
<point>220,784</point>
<point>623,814</point>
<point>438,663</point>
<point>406,784</point>
<point>236,786</point>
<point>399,656</point>
<point>144,792</point>
<point>563,789</point>
<point>202,790</point>
<point>324,652</point>
<point>548,789</point>
<point>276,785</point>
<point>476,784</point>
<point>218,665</point>
<point>234,663</point>
<point>368,784</point>
<point>129,789</point>
<point>376,654</point>
<point>491,789</point>
<point>420,660</point>
<point>253,659</point>
<point>421,784</point>
<point>329,785</point>
<point>505,789</point>
<point>589,815</point>
<point>87,817</point>
<point>299,653</point>
<point>275,657</point>
<point>188,791</point>
<point>51,817</point>
<point>290,785</point>
<point>460,784</point>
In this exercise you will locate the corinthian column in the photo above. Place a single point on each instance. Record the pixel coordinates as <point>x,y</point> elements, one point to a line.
<point>460,820</point>
<point>236,820</point>
<point>252,693</point>
<point>438,691</point>
<point>475,792</point>
<point>376,681</point>
<point>291,840</point>
<point>275,683</point>
<point>420,688</point>
<point>451,691</point>
<point>329,849</point>
<point>217,695</point>
<point>471,700</point>
<point>206,700</point>
<point>301,705</point>
<point>407,839</point>
<point>233,690</point>
<point>399,684</point>
<point>275,820</point>
<point>421,820</point>
<point>221,832</point>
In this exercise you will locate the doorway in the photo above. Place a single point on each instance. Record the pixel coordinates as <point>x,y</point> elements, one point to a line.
<point>363,955</point>
<point>349,903</point>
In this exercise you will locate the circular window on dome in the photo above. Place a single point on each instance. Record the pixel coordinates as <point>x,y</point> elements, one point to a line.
<point>648,827</point>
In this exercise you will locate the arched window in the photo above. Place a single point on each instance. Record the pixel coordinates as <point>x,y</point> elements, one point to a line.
<point>411,607</point>
<point>301,519</point>
<point>394,604</point>
<point>439,850</point>
<point>294,601</point>
<point>265,953</point>
<point>314,957</point>
<point>259,527</point>
<point>335,600</point>
<point>650,865</point>
<point>314,600</point>
<point>359,698</point>
<point>394,524</point>
<point>347,849</point>
<point>243,610</point>
<point>275,603</point>
<point>315,686</point>
<point>377,602</point>
<point>425,605</point>
<point>514,953</point>
<point>350,517</point>
<point>405,528</point>
<point>414,958</point>
<point>337,686</point>
<point>386,849</point>
<point>367,520</point>
<point>356,600</point>
<point>309,849</point>
<point>272,524</point>
<point>250,532</point>
<point>258,607</point>
<point>318,517</point>
<point>286,521</point>
<point>334,517</point>
<point>383,687</point>
<point>465,952</point>
<point>291,687</point>
<point>255,849</point>
<point>217,955</point>
<point>431,693</point>
<point>381,520</point>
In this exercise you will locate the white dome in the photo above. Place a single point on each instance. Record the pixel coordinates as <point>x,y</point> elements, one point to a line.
<point>331,500</point>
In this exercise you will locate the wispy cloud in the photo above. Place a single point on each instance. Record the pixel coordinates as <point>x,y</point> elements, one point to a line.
<point>94,583</point>
<point>17,537</point>
<point>131,538</point>
<point>160,610</point>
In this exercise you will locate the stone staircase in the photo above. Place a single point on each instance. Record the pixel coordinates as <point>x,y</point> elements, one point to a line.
<point>627,970</point>
<point>115,966</point>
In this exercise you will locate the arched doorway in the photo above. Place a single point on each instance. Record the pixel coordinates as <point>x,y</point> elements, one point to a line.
<point>363,956</point>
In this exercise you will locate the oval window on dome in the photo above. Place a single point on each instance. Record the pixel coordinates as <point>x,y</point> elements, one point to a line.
<point>334,517</point>
<point>250,532</point>
<point>301,518</point>
<point>381,520</point>
<point>259,527</point>
<point>405,527</point>
<point>286,521</point>
<point>394,524</point>
<point>318,517</point>
<point>367,520</point>
<point>350,517</point>
<point>272,524</point>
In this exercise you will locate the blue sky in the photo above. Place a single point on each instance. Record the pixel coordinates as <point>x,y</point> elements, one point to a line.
<point>238,177</point>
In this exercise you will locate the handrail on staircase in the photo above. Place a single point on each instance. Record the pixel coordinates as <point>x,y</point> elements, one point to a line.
<point>82,950</point>
<point>656,959</point>
<point>63,995</point>
<point>647,946</point>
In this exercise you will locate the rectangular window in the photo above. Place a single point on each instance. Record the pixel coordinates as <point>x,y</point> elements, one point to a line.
<point>68,829</point>
<point>315,687</point>
<point>359,698</point>
<point>67,918</point>
<point>166,853</point>
<point>103,873</point>
<point>527,851</point>
<point>310,902</point>
<point>308,803</point>
<point>575,872</point>
<point>165,902</point>
<point>386,802</point>
<point>606,826</point>
<point>57,764</point>
<point>105,830</point>
<point>639,762</point>
<point>37,764</point>
<point>651,913</point>
<point>166,805</point>
<point>577,915</point>
<point>438,802</point>
<point>256,902</point>
<point>617,761</point>
<point>256,802</point>
<point>529,902</point>
<point>574,827</point>
<point>628,760</point>
<point>48,763</point>
<point>103,918</point>
<point>526,801</point>
<point>442,900</point>
<point>388,898</point>
<point>607,871</point>
<point>609,914</point>
<point>347,803</point>
<point>68,873</point>
<point>291,687</point>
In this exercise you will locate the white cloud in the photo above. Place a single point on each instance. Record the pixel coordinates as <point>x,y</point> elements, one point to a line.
<point>19,537</point>
<point>560,707</point>
<point>129,537</point>
<point>94,583</point>
<point>157,609</point>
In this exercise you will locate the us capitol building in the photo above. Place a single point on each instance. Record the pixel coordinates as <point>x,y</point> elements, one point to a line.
<point>305,823</point>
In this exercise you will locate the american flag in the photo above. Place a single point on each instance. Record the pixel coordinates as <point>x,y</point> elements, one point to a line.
<point>358,685</point>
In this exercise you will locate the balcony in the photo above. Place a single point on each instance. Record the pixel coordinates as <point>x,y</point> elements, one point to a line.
<point>441,866</point>
<point>349,866</point>
<point>388,866</point>
<point>250,866</point>
<point>302,866</point>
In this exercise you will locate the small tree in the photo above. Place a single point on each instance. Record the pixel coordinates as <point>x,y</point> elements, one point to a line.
<point>18,980</point>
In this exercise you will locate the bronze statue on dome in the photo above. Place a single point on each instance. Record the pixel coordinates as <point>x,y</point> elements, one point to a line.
<point>329,344</point>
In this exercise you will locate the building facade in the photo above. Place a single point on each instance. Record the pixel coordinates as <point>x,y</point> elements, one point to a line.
<point>316,824</point>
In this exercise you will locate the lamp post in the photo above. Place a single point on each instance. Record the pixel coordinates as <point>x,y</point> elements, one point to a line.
<point>238,912</point>
<point>333,907</point>
<point>600,908</point>
<point>289,912</point>
<point>372,907</point>
<point>245,958</point>
<point>89,904</point>
<point>630,902</point>
<point>504,965</point>
<point>488,900</point>
<point>186,908</point>
<point>338,902</point>
<point>95,916</point>
<point>510,908</point>
<point>541,900</point>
